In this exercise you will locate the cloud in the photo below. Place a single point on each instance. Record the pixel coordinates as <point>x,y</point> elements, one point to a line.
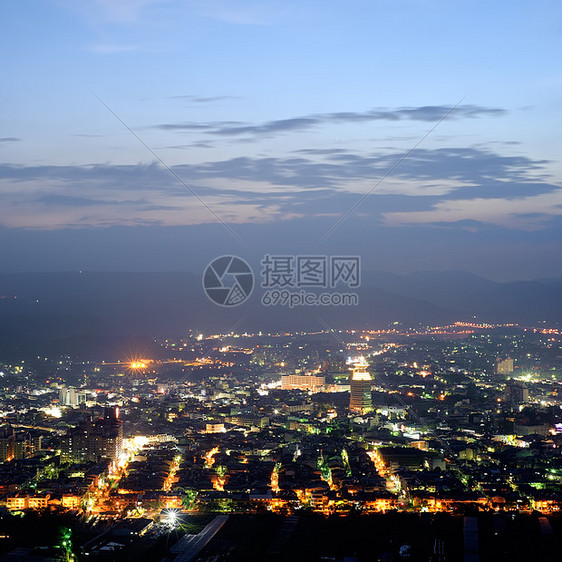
<point>204,127</point>
<point>442,186</point>
<point>524,213</point>
<point>9,139</point>
<point>425,113</point>
<point>472,165</point>
<point>188,146</point>
<point>203,99</point>
<point>56,197</point>
<point>281,125</point>
<point>335,169</point>
<point>125,11</point>
<point>140,12</point>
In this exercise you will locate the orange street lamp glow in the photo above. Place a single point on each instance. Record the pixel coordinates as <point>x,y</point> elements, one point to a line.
<point>137,365</point>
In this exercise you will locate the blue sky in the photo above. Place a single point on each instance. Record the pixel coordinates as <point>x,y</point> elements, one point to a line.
<point>281,116</point>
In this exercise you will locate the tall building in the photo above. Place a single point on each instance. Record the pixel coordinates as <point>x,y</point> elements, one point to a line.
<point>94,440</point>
<point>73,397</point>
<point>516,392</point>
<point>7,440</point>
<point>23,445</point>
<point>504,366</point>
<point>360,385</point>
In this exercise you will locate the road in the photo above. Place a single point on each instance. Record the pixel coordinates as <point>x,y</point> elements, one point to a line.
<point>189,546</point>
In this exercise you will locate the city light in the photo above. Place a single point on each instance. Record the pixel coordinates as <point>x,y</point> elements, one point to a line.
<point>248,442</point>
<point>170,518</point>
<point>134,365</point>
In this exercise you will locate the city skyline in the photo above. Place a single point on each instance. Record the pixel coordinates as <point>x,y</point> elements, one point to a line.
<point>452,430</point>
<point>281,280</point>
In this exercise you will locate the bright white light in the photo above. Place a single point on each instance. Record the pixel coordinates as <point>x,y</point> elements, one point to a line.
<point>171,518</point>
<point>54,411</point>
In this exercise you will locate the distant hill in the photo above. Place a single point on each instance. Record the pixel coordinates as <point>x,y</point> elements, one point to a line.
<point>516,301</point>
<point>446,288</point>
<point>67,310</point>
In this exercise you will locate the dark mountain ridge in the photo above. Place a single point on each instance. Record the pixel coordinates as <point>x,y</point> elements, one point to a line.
<point>39,309</point>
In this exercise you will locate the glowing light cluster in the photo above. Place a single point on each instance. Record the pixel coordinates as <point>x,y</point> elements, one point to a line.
<point>137,365</point>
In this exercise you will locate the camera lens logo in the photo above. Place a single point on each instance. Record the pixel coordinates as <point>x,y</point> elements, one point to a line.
<point>228,281</point>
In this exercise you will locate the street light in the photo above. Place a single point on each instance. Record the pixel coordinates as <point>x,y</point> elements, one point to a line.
<point>171,518</point>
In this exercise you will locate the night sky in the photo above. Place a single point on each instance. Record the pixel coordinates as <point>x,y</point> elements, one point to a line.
<point>145,135</point>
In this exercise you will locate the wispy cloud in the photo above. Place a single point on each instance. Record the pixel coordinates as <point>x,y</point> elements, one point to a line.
<point>523,213</point>
<point>203,99</point>
<point>125,11</point>
<point>203,127</point>
<point>135,12</point>
<point>432,187</point>
<point>9,139</point>
<point>297,124</point>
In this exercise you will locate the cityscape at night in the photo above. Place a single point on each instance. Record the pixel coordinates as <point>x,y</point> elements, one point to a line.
<point>434,428</point>
<point>281,281</point>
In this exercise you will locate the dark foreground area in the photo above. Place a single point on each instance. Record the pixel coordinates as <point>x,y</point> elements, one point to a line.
<point>391,536</point>
<point>308,537</point>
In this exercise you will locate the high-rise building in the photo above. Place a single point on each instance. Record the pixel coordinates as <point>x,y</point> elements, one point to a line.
<point>360,385</point>
<point>516,392</point>
<point>504,366</point>
<point>22,445</point>
<point>94,440</point>
<point>73,397</point>
<point>7,440</point>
